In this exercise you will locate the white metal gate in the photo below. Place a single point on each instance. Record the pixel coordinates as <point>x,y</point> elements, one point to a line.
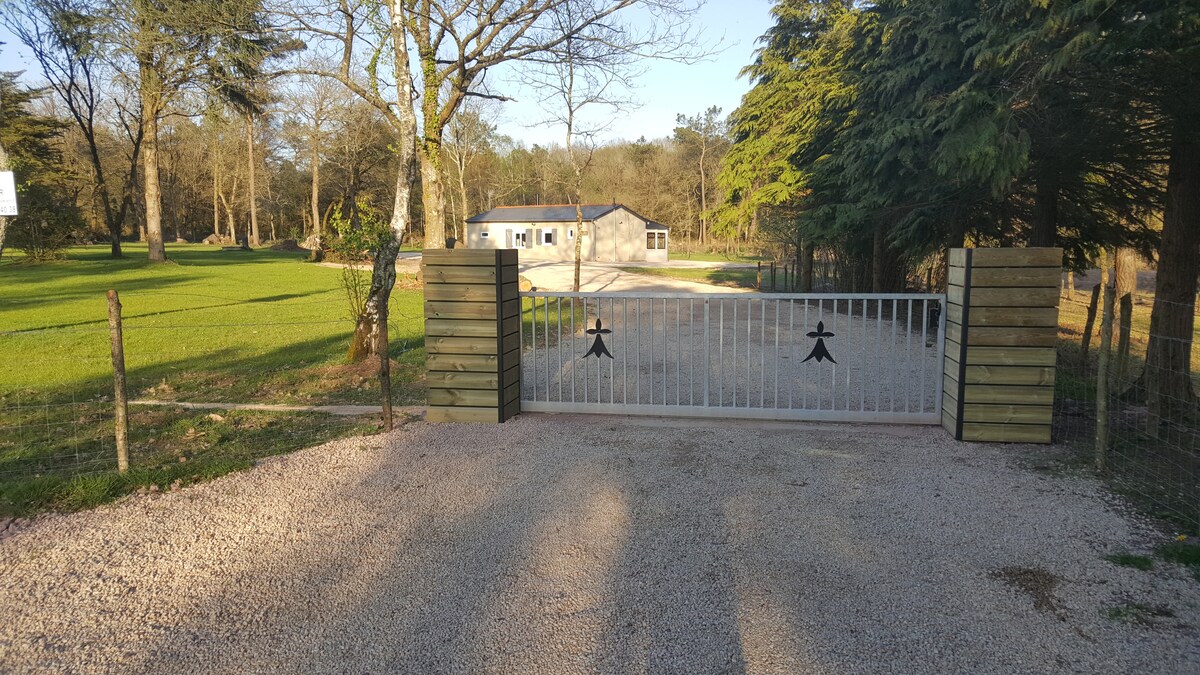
<point>833,357</point>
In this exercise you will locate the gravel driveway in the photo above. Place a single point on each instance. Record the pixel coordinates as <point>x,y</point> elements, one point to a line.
<point>555,544</point>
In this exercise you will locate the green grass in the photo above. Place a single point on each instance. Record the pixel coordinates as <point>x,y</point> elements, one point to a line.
<point>1138,562</point>
<point>1138,613</point>
<point>710,256</point>
<point>1182,553</point>
<point>733,278</point>
<point>210,325</point>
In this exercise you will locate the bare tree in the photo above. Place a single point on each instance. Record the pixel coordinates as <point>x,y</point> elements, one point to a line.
<point>65,37</point>
<point>457,41</point>
<point>379,27</point>
<point>705,136</point>
<point>4,166</point>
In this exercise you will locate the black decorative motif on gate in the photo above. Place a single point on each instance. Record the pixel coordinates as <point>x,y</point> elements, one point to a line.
<point>598,347</point>
<point>819,351</point>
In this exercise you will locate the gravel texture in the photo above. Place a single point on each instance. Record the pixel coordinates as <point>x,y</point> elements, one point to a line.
<point>556,544</point>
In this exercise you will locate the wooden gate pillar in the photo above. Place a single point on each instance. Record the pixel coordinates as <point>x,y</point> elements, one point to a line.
<point>472,335</point>
<point>1001,331</point>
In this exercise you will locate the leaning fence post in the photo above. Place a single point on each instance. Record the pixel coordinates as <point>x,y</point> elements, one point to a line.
<point>1106,331</point>
<point>120,403</point>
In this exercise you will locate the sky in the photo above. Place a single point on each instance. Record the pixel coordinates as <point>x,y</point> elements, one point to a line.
<point>663,91</point>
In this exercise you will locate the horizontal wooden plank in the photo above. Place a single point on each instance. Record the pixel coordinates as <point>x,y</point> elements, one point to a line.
<point>460,328</point>
<point>511,410</point>
<point>1016,395</point>
<point>1006,433</point>
<point>452,274</point>
<point>467,362</point>
<point>512,375</point>
<point>1013,297</point>
<point>464,397</point>
<point>1014,316</point>
<point>1005,414</point>
<point>510,342</point>
<point>956,276</point>
<point>1016,257</point>
<point>510,324</point>
<point>511,393</point>
<point>1030,375</point>
<point>460,380</point>
<point>1046,277</point>
<point>950,400</point>
<point>460,345</point>
<point>469,292</point>
<point>949,384</point>
<point>469,256</point>
<point>457,414</point>
<point>460,310</point>
<point>957,257</point>
<point>948,423</point>
<point>985,336</point>
<point>1010,356</point>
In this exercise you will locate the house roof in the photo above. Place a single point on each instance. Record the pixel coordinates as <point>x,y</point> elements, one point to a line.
<point>554,213</point>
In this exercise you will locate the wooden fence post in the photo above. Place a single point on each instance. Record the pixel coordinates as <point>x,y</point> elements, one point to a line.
<point>120,402</point>
<point>1001,334</point>
<point>472,335</point>
<point>1106,330</point>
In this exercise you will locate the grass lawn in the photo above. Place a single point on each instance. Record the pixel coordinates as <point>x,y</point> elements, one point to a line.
<point>709,256</point>
<point>210,325</point>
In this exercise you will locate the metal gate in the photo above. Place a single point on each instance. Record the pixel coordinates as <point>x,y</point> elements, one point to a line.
<point>832,357</point>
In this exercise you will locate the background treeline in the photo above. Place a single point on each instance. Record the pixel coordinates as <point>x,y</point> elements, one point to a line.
<point>891,130</point>
<point>255,139</point>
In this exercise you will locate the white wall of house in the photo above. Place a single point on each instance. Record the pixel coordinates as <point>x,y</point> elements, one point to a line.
<point>617,236</point>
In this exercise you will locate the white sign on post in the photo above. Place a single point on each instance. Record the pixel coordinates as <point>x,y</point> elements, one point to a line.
<point>8,194</point>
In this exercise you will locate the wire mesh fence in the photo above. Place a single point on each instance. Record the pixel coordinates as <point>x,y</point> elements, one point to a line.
<point>1126,398</point>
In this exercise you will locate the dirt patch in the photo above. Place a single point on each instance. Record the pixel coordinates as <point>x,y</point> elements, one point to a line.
<point>288,245</point>
<point>1036,583</point>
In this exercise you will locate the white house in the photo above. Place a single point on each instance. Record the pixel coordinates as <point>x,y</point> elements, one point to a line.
<point>611,232</point>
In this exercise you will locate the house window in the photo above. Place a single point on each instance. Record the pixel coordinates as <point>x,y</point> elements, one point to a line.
<point>570,233</point>
<point>484,234</point>
<point>519,240</point>
<point>549,237</point>
<point>656,241</point>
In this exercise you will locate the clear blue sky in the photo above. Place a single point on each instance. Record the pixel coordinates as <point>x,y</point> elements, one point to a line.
<point>663,91</point>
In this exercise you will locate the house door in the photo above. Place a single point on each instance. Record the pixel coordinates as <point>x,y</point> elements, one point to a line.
<point>516,238</point>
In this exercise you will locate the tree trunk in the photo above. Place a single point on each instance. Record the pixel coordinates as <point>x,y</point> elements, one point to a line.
<point>877,261</point>
<point>1045,215</point>
<point>4,166</point>
<point>578,242</point>
<point>316,182</point>
<point>216,186</point>
<point>110,216</point>
<point>151,92</point>
<point>1127,269</point>
<point>383,273</point>
<point>806,269</point>
<point>433,197</point>
<point>462,195</point>
<point>1168,355</point>
<point>255,240</point>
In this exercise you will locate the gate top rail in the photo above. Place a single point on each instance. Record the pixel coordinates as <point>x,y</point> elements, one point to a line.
<point>645,295</point>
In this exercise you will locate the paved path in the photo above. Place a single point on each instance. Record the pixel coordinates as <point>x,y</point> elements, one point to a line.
<point>345,410</point>
<point>593,277</point>
<point>560,545</point>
